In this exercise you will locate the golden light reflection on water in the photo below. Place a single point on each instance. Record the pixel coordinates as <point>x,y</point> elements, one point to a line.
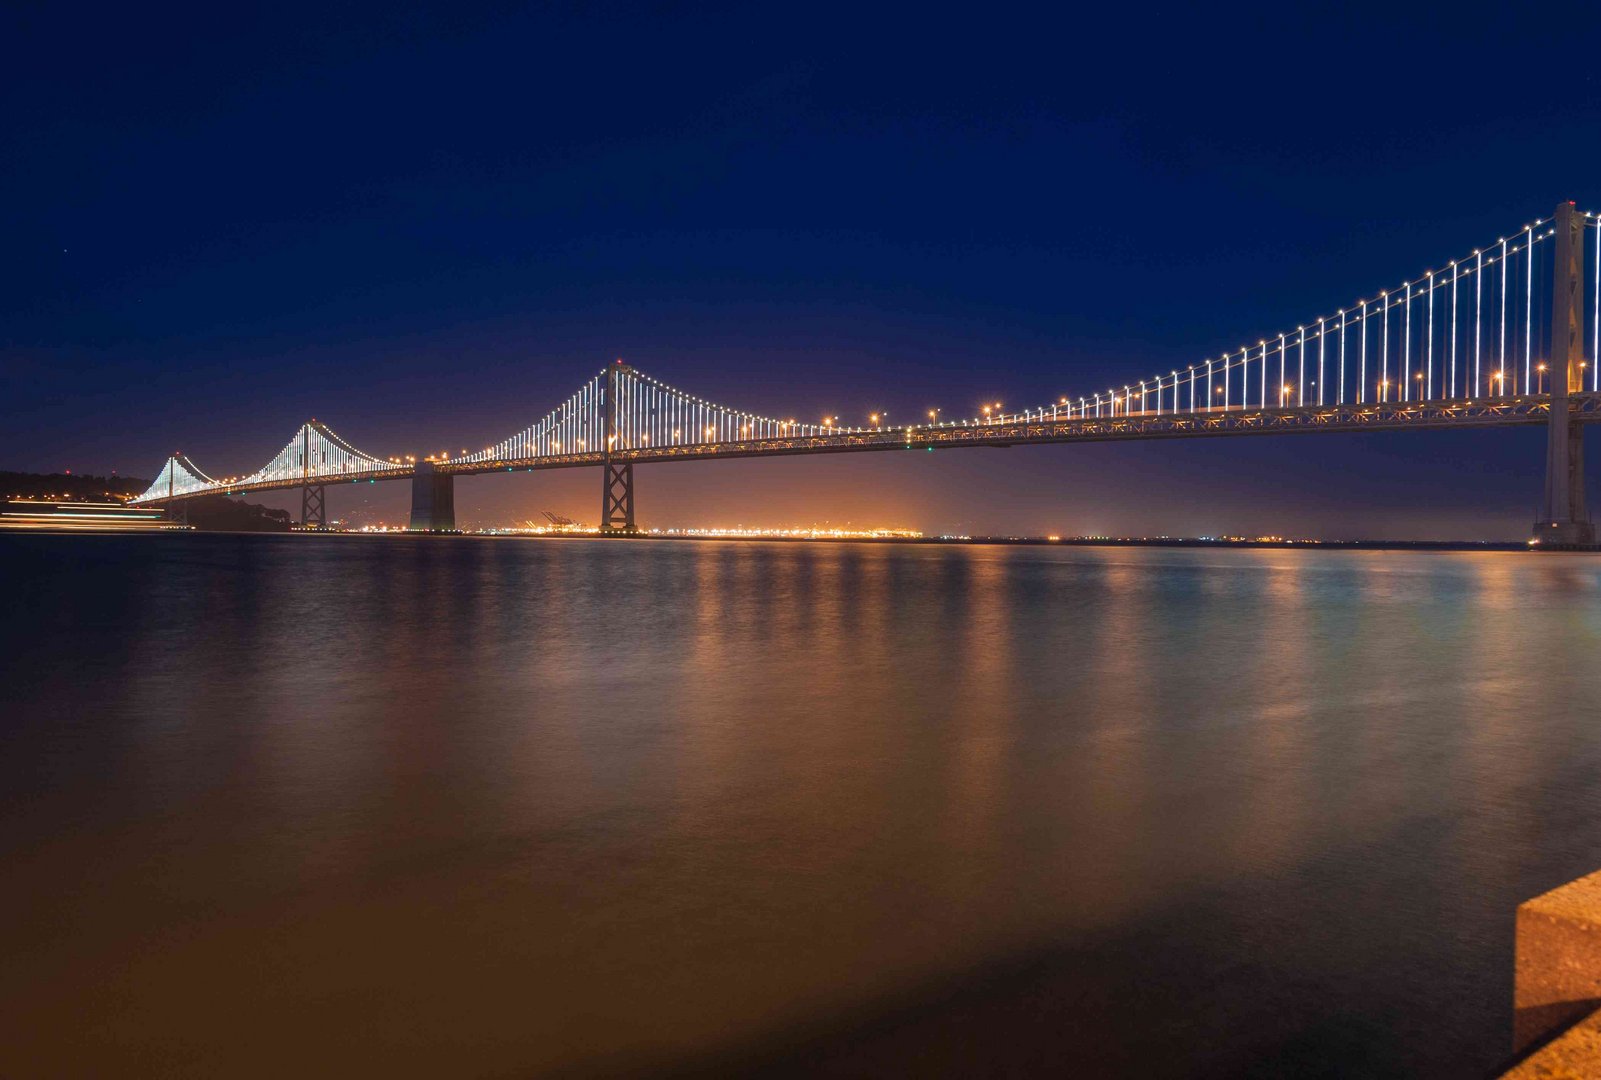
<point>1274,741</point>
<point>978,730</point>
<point>584,805</point>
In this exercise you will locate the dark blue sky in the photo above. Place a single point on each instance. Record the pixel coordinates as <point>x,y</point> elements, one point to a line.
<point>425,224</point>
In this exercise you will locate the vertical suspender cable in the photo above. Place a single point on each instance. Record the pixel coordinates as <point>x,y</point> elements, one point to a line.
<point>1384,385</point>
<point>1428,349</point>
<point>1528,307</point>
<point>1478,320</point>
<point>1505,377</point>
<point>1528,314</point>
<point>1339,391</point>
<point>1406,344</point>
<point>1362,356</point>
<point>1452,391</point>
<point>1322,352</point>
<point>1300,391</point>
<point>1280,393</point>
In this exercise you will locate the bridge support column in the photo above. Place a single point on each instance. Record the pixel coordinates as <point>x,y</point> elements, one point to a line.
<point>178,512</point>
<point>617,480</point>
<point>433,500</point>
<point>617,498</point>
<point>1564,522</point>
<point>312,503</point>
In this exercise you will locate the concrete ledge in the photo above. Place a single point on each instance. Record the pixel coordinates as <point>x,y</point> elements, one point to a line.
<point>1575,1055</point>
<point>1558,967</point>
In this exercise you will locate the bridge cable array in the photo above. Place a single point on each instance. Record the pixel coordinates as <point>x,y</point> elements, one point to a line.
<point>1466,332</point>
<point>1474,329</point>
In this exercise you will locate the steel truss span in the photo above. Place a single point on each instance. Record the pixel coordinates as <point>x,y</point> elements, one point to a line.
<point>1456,346</point>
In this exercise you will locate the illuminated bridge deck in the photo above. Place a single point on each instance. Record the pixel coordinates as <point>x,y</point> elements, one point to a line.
<point>1454,347</point>
<point>1019,431</point>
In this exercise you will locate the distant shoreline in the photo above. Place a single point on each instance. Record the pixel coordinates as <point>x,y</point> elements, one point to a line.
<point>1012,541</point>
<point>956,541</point>
<point>1040,541</point>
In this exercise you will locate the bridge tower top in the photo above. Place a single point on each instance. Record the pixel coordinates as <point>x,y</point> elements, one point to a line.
<point>1567,303</point>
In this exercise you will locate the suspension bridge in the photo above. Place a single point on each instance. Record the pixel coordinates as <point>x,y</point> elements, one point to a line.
<point>1494,337</point>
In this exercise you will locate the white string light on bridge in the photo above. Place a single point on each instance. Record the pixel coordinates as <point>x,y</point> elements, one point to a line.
<point>650,414</point>
<point>314,455</point>
<point>651,418</point>
<point>1430,349</point>
<point>178,476</point>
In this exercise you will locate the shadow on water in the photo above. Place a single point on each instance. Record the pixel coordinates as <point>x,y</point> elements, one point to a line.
<point>1229,984</point>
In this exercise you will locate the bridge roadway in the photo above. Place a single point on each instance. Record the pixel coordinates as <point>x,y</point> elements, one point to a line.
<point>1439,329</point>
<point>1527,410</point>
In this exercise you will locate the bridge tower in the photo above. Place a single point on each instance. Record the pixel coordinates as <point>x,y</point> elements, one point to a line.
<point>312,501</point>
<point>176,510</point>
<point>433,499</point>
<point>617,483</point>
<point>1564,523</point>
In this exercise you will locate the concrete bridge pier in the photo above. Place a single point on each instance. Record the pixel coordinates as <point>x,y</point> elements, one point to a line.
<point>433,500</point>
<point>1564,522</point>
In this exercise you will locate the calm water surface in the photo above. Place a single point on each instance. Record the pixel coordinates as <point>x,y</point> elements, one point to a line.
<point>286,805</point>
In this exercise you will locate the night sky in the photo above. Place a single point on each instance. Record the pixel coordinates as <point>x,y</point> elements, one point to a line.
<point>425,225</point>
